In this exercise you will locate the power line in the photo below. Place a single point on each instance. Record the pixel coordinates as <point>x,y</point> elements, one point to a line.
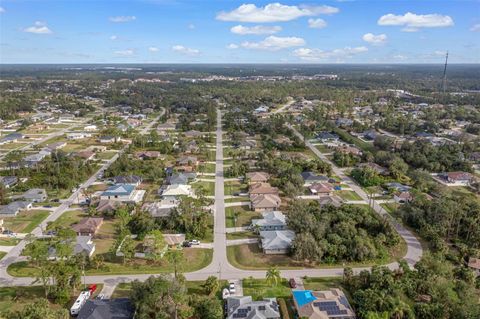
<point>444,84</point>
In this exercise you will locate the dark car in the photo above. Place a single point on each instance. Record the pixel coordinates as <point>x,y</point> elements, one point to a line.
<point>292,283</point>
<point>187,244</point>
<point>7,232</point>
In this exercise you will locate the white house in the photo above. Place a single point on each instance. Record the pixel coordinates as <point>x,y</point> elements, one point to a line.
<point>123,193</point>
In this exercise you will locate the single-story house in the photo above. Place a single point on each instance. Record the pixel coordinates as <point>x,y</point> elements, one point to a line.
<point>321,189</point>
<point>273,220</point>
<point>188,160</point>
<point>181,178</point>
<point>398,187</point>
<point>310,178</point>
<point>128,180</point>
<point>146,155</point>
<point>108,206</point>
<point>11,138</point>
<point>160,209</point>
<point>265,202</point>
<point>86,155</point>
<point>327,137</point>
<point>107,139</point>
<point>403,197</point>
<point>377,168</point>
<point>8,181</point>
<point>174,191</point>
<point>247,144</point>
<point>174,240</point>
<point>245,307</point>
<point>88,226</point>
<point>121,308</point>
<point>328,304</point>
<point>35,195</point>
<point>277,241</point>
<point>257,177</point>
<point>166,127</point>
<point>78,136</point>
<point>262,188</point>
<point>84,245</point>
<point>460,178</point>
<point>330,200</point>
<point>123,193</point>
<point>13,208</point>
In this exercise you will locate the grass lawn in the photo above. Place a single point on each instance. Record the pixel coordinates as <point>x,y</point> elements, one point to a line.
<point>390,207</point>
<point>97,187</point>
<point>237,199</point>
<point>241,235</point>
<point>348,195</point>
<point>322,283</point>
<point>105,155</point>
<point>195,259</point>
<point>259,289</point>
<point>68,218</point>
<point>25,221</point>
<point>244,216</point>
<point>235,187</point>
<point>2,254</point>
<point>105,237</point>
<point>209,187</point>
<point>207,168</point>
<point>122,290</point>
<point>6,241</point>
<point>15,298</point>
<point>323,149</point>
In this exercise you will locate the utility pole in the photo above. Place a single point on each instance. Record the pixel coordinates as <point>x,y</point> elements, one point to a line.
<point>444,83</point>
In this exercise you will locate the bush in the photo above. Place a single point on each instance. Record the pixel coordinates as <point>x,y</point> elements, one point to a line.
<point>283,308</point>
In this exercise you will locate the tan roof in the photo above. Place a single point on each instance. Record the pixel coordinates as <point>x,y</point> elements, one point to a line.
<point>174,239</point>
<point>265,201</point>
<point>258,177</point>
<point>263,188</point>
<point>88,225</point>
<point>334,295</point>
<point>474,263</point>
<point>321,188</point>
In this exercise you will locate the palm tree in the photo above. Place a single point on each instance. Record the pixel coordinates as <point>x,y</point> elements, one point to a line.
<point>273,276</point>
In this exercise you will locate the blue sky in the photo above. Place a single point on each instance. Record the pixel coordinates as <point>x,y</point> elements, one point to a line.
<point>208,31</point>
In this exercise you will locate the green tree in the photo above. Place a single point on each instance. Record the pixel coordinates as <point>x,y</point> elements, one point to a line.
<point>273,276</point>
<point>211,285</point>
<point>38,310</point>
<point>176,258</point>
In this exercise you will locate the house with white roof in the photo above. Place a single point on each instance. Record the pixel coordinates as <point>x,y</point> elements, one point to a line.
<point>276,242</point>
<point>274,220</point>
<point>172,192</point>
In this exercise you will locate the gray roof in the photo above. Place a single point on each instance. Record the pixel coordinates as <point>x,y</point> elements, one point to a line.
<point>14,207</point>
<point>35,194</point>
<point>83,244</point>
<point>277,239</point>
<point>249,309</point>
<point>181,178</point>
<point>121,308</point>
<point>129,179</point>
<point>311,176</point>
<point>8,180</point>
<point>275,218</point>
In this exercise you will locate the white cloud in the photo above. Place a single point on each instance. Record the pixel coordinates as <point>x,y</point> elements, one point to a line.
<point>257,29</point>
<point>113,37</point>
<point>2,10</point>
<point>475,27</point>
<point>232,46</point>
<point>375,39</point>
<point>153,49</point>
<point>184,50</point>
<point>317,54</point>
<point>400,57</point>
<point>128,52</point>
<point>122,19</point>
<point>274,43</point>
<point>413,22</point>
<point>316,23</point>
<point>38,28</point>
<point>440,53</point>
<point>273,12</point>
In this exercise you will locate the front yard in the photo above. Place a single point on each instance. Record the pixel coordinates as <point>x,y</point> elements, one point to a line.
<point>238,216</point>
<point>25,221</point>
<point>259,289</point>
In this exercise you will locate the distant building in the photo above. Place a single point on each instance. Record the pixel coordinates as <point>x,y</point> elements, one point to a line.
<point>8,181</point>
<point>245,307</point>
<point>124,193</point>
<point>458,178</point>
<point>11,138</point>
<point>310,178</point>
<point>257,177</point>
<point>88,226</point>
<point>265,202</point>
<point>35,195</point>
<point>329,304</point>
<point>13,208</point>
<point>128,179</point>
<point>474,264</point>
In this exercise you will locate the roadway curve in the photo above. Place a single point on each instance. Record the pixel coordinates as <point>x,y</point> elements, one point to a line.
<point>220,267</point>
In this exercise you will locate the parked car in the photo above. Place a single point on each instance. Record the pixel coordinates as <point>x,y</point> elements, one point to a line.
<point>195,242</point>
<point>47,206</point>
<point>231,288</point>
<point>7,232</point>
<point>187,244</point>
<point>51,233</point>
<point>292,283</point>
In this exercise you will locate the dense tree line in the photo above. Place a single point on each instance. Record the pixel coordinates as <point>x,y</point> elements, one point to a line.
<point>332,234</point>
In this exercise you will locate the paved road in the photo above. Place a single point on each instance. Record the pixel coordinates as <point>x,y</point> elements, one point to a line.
<point>415,251</point>
<point>220,266</point>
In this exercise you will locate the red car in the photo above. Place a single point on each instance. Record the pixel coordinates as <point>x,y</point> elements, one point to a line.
<point>292,283</point>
